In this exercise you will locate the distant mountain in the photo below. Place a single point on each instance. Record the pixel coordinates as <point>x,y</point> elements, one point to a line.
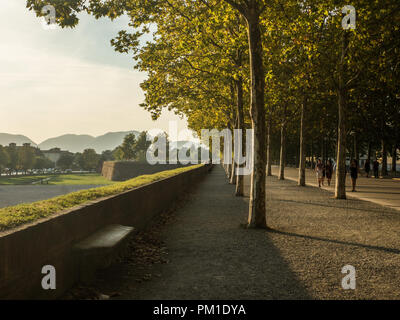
<point>69,142</point>
<point>78,143</point>
<point>6,139</point>
<point>111,140</point>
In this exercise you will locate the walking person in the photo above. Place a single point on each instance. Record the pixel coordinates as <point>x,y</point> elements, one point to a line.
<point>354,174</point>
<point>319,171</point>
<point>367,167</point>
<point>329,171</point>
<point>375,166</point>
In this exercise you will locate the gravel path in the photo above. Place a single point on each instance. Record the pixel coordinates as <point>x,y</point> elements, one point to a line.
<point>384,192</point>
<point>201,251</point>
<point>13,195</point>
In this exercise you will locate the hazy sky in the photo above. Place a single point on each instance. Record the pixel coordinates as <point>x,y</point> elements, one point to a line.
<point>61,81</point>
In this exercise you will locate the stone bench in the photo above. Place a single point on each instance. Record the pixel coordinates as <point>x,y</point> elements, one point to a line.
<point>98,250</point>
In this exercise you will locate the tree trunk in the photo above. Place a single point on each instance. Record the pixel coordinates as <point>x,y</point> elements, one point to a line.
<point>356,153</point>
<point>302,158</point>
<point>232,167</point>
<point>269,164</point>
<point>312,154</point>
<point>384,158</point>
<point>369,150</point>
<point>340,186</point>
<point>233,173</point>
<point>394,158</point>
<point>240,122</point>
<point>257,212</point>
<point>282,153</point>
<point>228,166</point>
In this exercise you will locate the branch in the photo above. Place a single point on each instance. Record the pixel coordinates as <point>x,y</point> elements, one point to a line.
<point>237,6</point>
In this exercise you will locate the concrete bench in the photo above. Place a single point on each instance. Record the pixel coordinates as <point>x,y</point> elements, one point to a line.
<point>99,249</point>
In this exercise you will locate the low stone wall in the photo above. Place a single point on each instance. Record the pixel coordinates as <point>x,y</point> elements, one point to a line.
<point>25,250</point>
<point>125,170</point>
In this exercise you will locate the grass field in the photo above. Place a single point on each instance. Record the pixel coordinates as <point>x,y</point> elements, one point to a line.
<point>61,179</point>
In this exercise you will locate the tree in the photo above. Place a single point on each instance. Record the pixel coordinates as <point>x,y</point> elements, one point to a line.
<point>90,159</point>
<point>43,163</point>
<point>78,161</point>
<point>12,156</point>
<point>143,14</point>
<point>107,155</point>
<point>66,160</point>
<point>140,147</point>
<point>292,60</point>
<point>127,147</point>
<point>118,154</point>
<point>26,157</point>
<point>251,11</point>
<point>4,158</point>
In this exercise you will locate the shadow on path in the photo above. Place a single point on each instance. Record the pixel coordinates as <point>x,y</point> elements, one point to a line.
<point>212,257</point>
<point>384,249</point>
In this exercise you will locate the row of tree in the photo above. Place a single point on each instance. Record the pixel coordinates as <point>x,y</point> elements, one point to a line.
<point>24,158</point>
<point>133,148</point>
<point>299,73</point>
<point>14,159</point>
<point>88,160</point>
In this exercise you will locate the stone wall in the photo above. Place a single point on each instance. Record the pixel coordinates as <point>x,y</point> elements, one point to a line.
<point>125,170</point>
<point>25,250</point>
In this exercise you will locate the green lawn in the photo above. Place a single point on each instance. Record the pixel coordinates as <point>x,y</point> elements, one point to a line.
<point>61,179</point>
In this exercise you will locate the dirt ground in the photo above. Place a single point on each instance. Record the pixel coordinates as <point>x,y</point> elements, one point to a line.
<point>200,250</point>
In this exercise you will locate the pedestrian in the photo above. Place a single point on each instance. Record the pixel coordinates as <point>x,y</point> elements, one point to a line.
<point>375,166</point>
<point>354,173</point>
<point>367,167</point>
<point>329,171</point>
<point>319,171</point>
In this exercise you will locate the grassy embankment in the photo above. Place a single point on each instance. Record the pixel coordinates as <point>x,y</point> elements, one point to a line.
<point>11,217</point>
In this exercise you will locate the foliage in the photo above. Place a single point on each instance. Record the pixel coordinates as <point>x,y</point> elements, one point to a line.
<point>89,160</point>
<point>127,148</point>
<point>66,160</point>
<point>4,158</point>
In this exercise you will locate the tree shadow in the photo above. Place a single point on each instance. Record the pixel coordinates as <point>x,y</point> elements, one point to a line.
<point>334,206</point>
<point>354,244</point>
